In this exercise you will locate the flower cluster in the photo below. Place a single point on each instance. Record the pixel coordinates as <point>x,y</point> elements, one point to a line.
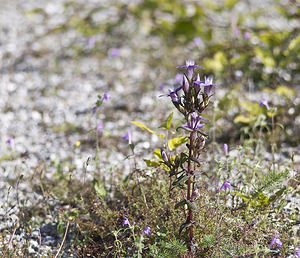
<point>196,93</point>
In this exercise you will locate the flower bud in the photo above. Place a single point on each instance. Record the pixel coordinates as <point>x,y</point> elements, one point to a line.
<point>164,155</point>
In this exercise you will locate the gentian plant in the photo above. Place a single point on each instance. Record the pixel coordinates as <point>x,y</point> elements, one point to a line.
<point>191,99</point>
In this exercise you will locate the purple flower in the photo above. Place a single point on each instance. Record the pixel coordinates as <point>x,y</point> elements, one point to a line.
<point>275,241</point>
<point>207,84</point>
<point>11,142</point>
<point>125,222</point>
<point>246,35</point>
<point>91,42</point>
<point>264,102</point>
<point>190,66</point>
<point>173,94</point>
<point>99,127</point>
<point>114,52</point>
<point>225,149</point>
<point>178,77</point>
<point>197,41</point>
<point>146,231</point>
<point>127,137</point>
<point>94,110</point>
<point>106,96</point>
<point>194,120</point>
<point>236,31</point>
<point>297,252</point>
<point>225,185</point>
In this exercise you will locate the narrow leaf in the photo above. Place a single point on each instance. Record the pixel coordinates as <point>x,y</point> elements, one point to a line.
<point>167,122</point>
<point>142,126</point>
<point>176,142</point>
<point>181,203</point>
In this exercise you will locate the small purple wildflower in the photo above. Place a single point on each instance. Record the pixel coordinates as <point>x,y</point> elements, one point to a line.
<point>236,31</point>
<point>194,121</point>
<point>114,52</point>
<point>297,252</point>
<point>173,94</point>
<point>246,35</point>
<point>11,142</point>
<point>207,84</point>
<point>99,127</point>
<point>275,241</point>
<point>146,231</point>
<point>190,66</point>
<point>91,42</point>
<point>178,78</point>
<point>265,103</point>
<point>127,137</point>
<point>125,222</point>
<point>106,96</point>
<point>225,185</point>
<point>197,41</point>
<point>225,149</point>
<point>94,110</point>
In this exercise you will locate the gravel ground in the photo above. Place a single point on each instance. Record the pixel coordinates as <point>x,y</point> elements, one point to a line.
<point>46,102</point>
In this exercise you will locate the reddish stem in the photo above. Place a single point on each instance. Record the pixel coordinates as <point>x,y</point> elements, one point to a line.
<point>190,172</point>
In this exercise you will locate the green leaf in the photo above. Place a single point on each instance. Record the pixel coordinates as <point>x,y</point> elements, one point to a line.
<point>176,142</point>
<point>142,126</point>
<point>182,179</point>
<point>152,163</point>
<point>191,205</point>
<point>181,203</point>
<point>99,188</point>
<point>231,3</point>
<point>167,123</point>
<point>157,154</point>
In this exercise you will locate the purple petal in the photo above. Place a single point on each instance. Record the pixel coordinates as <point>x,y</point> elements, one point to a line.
<point>225,149</point>
<point>99,127</point>
<point>146,231</point>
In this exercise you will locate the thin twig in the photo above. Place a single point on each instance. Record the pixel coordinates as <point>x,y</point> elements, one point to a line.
<point>10,240</point>
<point>62,243</point>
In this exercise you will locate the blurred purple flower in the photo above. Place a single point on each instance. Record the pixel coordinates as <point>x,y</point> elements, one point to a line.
<point>94,110</point>
<point>225,149</point>
<point>297,252</point>
<point>114,52</point>
<point>106,96</point>
<point>275,241</point>
<point>161,87</point>
<point>146,231</point>
<point>197,41</point>
<point>246,35</point>
<point>190,66</point>
<point>127,137</point>
<point>99,127</point>
<point>11,142</point>
<point>91,42</point>
<point>236,31</point>
<point>265,103</point>
<point>225,185</point>
<point>178,77</point>
<point>125,222</point>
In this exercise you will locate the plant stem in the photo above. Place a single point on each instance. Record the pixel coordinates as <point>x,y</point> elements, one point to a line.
<point>190,172</point>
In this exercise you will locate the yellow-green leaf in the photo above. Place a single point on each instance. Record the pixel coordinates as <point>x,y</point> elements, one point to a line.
<point>285,91</point>
<point>176,142</point>
<point>151,163</point>
<point>142,126</point>
<point>242,119</point>
<point>167,123</point>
